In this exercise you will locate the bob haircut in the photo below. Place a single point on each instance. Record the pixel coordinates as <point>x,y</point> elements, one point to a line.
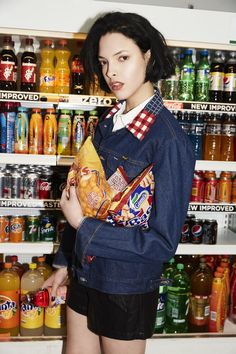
<point>137,28</point>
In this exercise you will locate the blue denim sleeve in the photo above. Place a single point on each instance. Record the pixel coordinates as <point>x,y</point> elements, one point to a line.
<point>63,257</point>
<point>173,173</point>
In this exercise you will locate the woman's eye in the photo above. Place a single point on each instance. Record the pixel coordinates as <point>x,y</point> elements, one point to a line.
<point>102,63</point>
<point>123,58</point>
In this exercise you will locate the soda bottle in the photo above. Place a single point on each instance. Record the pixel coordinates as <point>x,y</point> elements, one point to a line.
<point>78,131</point>
<point>15,75</point>
<point>50,132</point>
<point>216,301</point>
<point>92,123</point>
<point>228,138</point>
<point>196,134</point>
<point>184,121</point>
<point>31,322</point>
<point>9,300</point>
<point>21,131</point>
<point>36,132</point>
<point>28,67</point>
<point>232,309</point>
<point>202,79</point>
<point>7,127</point>
<point>8,63</point>
<point>216,78</point>
<point>212,138</point>
<point>186,82</point>
<point>62,69</point>
<point>41,297</point>
<point>17,266</point>
<point>161,308</point>
<point>171,84</point>
<point>169,271</point>
<point>178,302</point>
<point>230,79</point>
<point>77,76</point>
<point>64,133</point>
<point>44,269</point>
<point>47,71</point>
<point>199,311</point>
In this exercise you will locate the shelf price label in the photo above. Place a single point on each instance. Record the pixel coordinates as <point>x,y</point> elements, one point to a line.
<point>30,203</point>
<point>219,208</point>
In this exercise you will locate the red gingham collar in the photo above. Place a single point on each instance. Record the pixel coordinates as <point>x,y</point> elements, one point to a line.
<point>141,124</point>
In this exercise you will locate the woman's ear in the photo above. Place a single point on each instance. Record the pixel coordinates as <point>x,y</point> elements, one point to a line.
<point>147,55</point>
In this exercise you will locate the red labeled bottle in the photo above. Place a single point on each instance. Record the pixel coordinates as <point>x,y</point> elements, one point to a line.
<point>28,67</point>
<point>8,63</point>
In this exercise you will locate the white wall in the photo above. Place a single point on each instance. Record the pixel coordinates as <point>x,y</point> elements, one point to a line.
<point>76,15</point>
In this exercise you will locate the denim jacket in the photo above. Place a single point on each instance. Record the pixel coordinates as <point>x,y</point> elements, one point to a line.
<point>130,259</point>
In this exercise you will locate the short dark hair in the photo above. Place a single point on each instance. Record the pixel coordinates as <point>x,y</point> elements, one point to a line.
<point>137,28</point>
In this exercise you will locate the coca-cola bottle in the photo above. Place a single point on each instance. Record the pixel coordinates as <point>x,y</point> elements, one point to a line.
<point>8,63</point>
<point>28,67</point>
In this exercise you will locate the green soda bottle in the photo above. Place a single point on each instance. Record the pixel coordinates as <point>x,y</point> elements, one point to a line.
<point>178,302</point>
<point>202,81</point>
<point>169,271</point>
<point>171,84</point>
<point>187,76</point>
<point>161,308</point>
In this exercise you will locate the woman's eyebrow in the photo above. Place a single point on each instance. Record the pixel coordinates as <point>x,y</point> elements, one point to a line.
<point>119,52</point>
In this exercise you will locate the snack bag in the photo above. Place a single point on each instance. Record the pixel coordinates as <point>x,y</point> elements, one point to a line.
<point>92,189</point>
<point>133,206</point>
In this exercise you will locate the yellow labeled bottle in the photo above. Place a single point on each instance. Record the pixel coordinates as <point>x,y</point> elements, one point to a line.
<point>47,70</point>
<point>62,68</point>
<point>31,321</point>
<point>44,269</point>
<point>55,321</point>
<point>9,300</point>
<point>50,132</point>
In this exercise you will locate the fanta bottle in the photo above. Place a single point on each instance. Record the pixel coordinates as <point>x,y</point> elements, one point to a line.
<point>21,131</point>
<point>36,132</point>
<point>62,69</point>
<point>50,132</point>
<point>9,300</point>
<point>44,269</point>
<point>64,133</point>
<point>47,70</point>
<point>31,319</point>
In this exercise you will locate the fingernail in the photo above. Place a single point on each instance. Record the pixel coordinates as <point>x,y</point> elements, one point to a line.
<point>53,298</point>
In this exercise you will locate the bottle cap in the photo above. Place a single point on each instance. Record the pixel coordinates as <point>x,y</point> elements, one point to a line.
<point>204,52</point>
<point>29,41</point>
<point>14,258</point>
<point>47,42</point>
<point>36,110</point>
<point>77,111</point>
<point>50,110</point>
<point>93,113</point>
<point>7,39</point>
<point>188,52</point>
<point>65,111</point>
<point>62,42</point>
<point>7,265</point>
<point>172,260</point>
<point>180,266</point>
<point>22,109</point>
<point>41,259</point>
<point>32,266</point>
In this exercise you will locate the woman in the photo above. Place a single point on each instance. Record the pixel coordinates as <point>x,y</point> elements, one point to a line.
<point>116,270</point>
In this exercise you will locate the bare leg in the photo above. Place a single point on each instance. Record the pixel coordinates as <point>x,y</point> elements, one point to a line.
<point>114,346</point>
<point>80,340</point>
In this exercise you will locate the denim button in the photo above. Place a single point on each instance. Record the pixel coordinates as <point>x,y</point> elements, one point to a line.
<point>83,279</point>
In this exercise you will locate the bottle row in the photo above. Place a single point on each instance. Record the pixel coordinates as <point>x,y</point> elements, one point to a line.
<point>47,132</point>
<point>197,294</point>
<point>213,135</point>
<point>212,187</point>
<point>31,182</point>
<point>31,228</point>
<point>207,80</point>
<point>198,231</point>
<point>17,311</point>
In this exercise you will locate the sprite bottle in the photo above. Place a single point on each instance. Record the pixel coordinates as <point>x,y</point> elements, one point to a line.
<point>187,75</point>
<point>161,308</point>
<point>171,84</point>
<point>202,81</point>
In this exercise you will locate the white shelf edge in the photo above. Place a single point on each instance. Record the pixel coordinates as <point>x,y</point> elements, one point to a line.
<point>28,159</point>
<point>201,45</point>
<point>206,165</point>
<point>42,33</point>
<point>27,247</point>
<point>63,160</point>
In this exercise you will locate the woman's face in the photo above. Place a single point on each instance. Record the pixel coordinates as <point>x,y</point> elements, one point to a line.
<point>123,66</point>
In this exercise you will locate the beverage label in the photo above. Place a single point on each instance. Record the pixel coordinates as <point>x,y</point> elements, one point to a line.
<point>54,317</point>
<point>229,129</point>
<point>31,317</point>
<point>50,134</point>
<point>213,129</point>
<point>202,74</point>
<point>62,79</point>
<point>28,73</point>
<point>161,312</point>
<point>216,81</point>
<point>7,70</point>
<point>78,133</point>
<point>21,133</point>
<point>3,132</point>
<point>230,82</point>
<point>64,135</point>
<point>47,78</point>
<point>9,309</point>
<point>187,74</point>
<point>177,307</point>
<point>199,310</point>
<point>11,117</point>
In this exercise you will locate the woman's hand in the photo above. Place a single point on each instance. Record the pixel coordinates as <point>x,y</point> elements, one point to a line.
<point>58,278</point>
<point>71,207</point>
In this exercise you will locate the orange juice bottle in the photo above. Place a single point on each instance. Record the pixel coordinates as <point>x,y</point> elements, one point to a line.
<point>9,300</point>
<point>31,317</point>
<point>47,70</point>
<point>44,269</point>
<point>217,298</point>
<point>50,132</point>
<point>62,69</point>
<point>36,132</point>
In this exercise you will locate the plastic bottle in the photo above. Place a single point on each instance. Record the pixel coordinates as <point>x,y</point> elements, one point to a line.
<point>55,320</point>
<point>64,133</point>
<point>62,69</point>
<point>215,323</point>
<point>216,78</point>
<point>9,300</point>
<point>202,80</point>
<point>50,132</point>
<point>228,133</point>
<point>21,131</point>
<point>77,75</point>
<point>78,131</point>
<point>199,311</point>
<point>28,67</point>
<point>31,323</point>
<point>44,269</point>
<point>171,84</point>
<point>8,63</point>
<point>92,123</point>
<point>186,82</point>
<point>17,266</point>
<point>161,308</point>
<point>7,127</point>
<point>169,271</point>
<point>47,71</point>
<point>36,132</point>
<point>232,309</point>
<point>212,138</point>
<point>196,134</point>
<point>178,302</point>
<point>230,79</point>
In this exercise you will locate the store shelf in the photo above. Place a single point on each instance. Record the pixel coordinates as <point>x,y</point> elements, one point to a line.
<point>42,34</point>
<point>206,165</point>
<point>62,160</point>
<point>38,204</point>
<point>28,159</point>
<point>212,207</point>
<point>200,45</point>
<point>226,244</point>
<point>27,247</point>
